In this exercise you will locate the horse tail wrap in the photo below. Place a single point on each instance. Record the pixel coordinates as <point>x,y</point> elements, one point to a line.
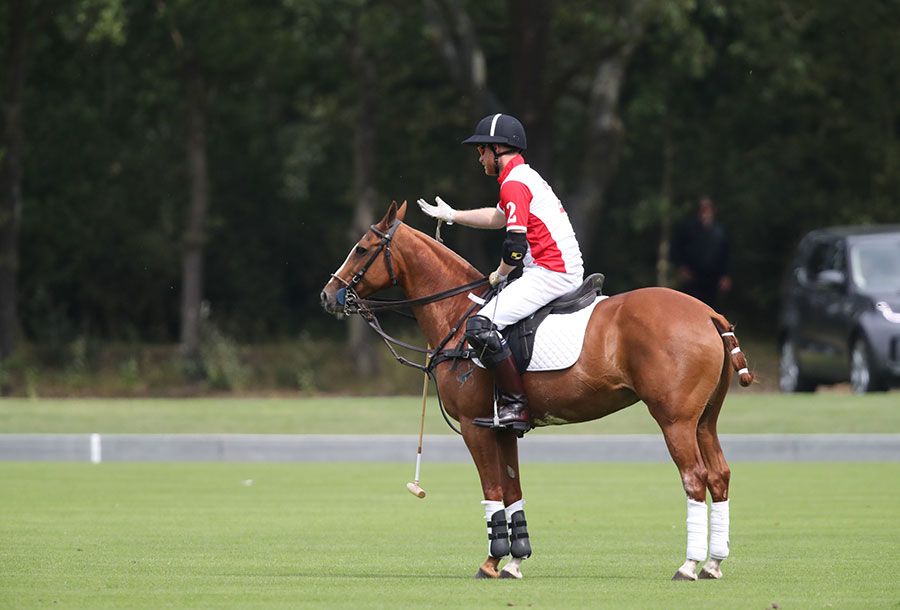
<point>738,360</point>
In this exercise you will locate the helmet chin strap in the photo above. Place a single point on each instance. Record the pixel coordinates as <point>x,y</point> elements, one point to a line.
<point>498,154</point>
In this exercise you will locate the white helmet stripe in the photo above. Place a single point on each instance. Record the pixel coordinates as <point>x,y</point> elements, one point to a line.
<point>494,123</point>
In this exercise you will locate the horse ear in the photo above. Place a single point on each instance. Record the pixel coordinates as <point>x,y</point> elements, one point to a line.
<point>389,217</point>
<point>401,212</point>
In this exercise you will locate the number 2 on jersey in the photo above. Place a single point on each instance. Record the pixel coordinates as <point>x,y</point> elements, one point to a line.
<point>511,209</point>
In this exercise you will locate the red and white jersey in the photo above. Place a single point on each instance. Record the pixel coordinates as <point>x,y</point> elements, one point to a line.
<point>531,205</point>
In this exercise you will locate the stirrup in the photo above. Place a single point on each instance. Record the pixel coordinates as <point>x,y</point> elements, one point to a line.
<point>517,426</point>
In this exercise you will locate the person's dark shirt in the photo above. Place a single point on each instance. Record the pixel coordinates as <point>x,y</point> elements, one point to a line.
<point>703,250</point>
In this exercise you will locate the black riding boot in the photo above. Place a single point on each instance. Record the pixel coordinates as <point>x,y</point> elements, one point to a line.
<point>512,406</point>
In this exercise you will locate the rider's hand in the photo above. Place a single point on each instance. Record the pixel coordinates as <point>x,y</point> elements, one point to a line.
<point>496,279</point>
<point>441,211</point>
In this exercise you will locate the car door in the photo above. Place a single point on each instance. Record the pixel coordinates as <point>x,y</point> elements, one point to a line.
<point>830,310</point>
<point>800,298</point>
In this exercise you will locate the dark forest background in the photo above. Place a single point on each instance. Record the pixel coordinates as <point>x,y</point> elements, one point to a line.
<point>182,174</point>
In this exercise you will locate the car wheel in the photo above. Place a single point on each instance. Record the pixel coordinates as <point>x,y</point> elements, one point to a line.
<point>790,377</point>
<point>862,376</point>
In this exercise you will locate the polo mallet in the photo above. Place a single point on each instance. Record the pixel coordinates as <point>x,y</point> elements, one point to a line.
<point>414,487</point>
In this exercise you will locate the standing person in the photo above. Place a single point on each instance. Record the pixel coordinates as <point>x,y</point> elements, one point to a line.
<point>539,239</point>
<point>700,254</point>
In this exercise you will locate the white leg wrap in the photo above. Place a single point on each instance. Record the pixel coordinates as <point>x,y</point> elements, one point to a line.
<point>515,506</point>
<point>697,530</point>
<point>491,507</point>
<point>718,530</point>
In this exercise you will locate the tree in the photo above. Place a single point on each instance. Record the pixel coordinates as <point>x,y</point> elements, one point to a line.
<point>193,80</point>
<point>606,39</point>
<point>365,70</point>
<point>11,148</point>
<point>97,21</point>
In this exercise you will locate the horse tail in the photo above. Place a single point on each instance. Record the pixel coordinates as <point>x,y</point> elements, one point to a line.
<point>738,361</point>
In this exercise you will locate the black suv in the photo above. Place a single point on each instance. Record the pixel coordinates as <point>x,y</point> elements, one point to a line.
<point>840,310</point>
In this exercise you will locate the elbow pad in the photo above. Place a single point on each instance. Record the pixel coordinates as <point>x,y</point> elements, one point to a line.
<point>514,248</point>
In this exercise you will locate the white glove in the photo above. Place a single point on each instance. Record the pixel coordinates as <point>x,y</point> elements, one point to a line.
<point>495,279</point>
<point>441,211</point>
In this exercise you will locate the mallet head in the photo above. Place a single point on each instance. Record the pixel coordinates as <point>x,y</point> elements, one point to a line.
<point>415,490</point>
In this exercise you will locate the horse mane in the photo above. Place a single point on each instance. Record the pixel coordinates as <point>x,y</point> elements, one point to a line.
<point>445,254</point>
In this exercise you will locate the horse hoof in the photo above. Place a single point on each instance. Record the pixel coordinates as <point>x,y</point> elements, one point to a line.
<point>710,572</point>
<point>482,573</point>
<point>679,575</point>
<point>512,568</point>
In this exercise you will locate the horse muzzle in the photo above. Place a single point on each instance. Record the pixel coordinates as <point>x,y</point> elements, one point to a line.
<point>334,301</point>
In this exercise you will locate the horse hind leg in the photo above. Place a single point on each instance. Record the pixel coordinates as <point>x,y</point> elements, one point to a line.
<point>681,439</point>
<point>718,480</point>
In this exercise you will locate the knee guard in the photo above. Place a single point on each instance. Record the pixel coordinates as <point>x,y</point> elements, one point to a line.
<point>498,535</point>
<point>486,340</point>
<point>520,546</point>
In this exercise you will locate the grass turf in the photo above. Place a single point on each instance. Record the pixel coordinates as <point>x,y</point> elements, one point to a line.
<point>350,536</point>
<point>742,414</point>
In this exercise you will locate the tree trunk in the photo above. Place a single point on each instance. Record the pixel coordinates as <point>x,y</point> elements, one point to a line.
<point>195,233</point>
<point>360,347</point>
<point>11,151</point>
<point>528,40</point>
<point>665,206</point>
<point>454,35</point>
<point>604,134</point>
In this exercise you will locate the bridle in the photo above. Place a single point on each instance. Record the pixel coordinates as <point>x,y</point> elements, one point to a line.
<point>347,296</point>
<point>353,304</point>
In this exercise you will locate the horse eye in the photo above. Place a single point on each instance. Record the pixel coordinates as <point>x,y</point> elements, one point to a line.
<point>360,250</point>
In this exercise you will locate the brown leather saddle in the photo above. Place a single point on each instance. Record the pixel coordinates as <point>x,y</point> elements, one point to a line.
<point>520,336</point>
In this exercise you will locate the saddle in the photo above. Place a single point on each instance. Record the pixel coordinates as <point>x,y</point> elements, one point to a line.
<point>520,336</point>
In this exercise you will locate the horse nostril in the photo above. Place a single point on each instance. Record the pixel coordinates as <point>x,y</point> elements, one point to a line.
<point>323,298</point>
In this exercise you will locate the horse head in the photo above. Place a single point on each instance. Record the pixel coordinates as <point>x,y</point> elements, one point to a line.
<point>368,268</point>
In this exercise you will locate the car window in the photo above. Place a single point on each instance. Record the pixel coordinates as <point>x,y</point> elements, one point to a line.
<point>826,255</point>
<point>875,264</point>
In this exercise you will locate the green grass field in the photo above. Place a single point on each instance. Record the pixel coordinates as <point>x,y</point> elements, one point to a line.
<point>746,413</point>
<point>350,536</point>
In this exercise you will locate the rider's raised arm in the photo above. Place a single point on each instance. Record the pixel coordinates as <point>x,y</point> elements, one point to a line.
<point>481,218</point>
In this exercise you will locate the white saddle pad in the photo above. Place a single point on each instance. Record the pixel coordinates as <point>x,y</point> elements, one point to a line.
<point>559,338</point>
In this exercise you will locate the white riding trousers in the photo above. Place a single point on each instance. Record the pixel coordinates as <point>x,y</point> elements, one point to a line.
<point>521,298</point>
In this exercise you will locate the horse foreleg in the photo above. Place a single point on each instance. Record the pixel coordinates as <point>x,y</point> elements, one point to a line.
<point>681,438</point>
<point>520,544</point>
<point>483,446</point>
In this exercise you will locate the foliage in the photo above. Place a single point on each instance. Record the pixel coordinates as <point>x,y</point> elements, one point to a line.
<point>785,112</point>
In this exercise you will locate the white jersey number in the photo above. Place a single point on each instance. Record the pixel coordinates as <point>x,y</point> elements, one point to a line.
<point>511,208</point>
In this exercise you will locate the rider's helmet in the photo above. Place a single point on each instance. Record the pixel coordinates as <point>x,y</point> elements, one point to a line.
<point>499,129</point>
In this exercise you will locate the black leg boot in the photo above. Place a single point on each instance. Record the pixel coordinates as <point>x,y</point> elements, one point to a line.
<point>512,406</point>
<point>520,546</point>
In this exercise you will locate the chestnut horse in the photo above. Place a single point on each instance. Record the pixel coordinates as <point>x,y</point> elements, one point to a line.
<point>654,345</point>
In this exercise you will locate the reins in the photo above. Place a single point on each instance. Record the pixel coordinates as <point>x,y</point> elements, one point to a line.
<point>389,304</point>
